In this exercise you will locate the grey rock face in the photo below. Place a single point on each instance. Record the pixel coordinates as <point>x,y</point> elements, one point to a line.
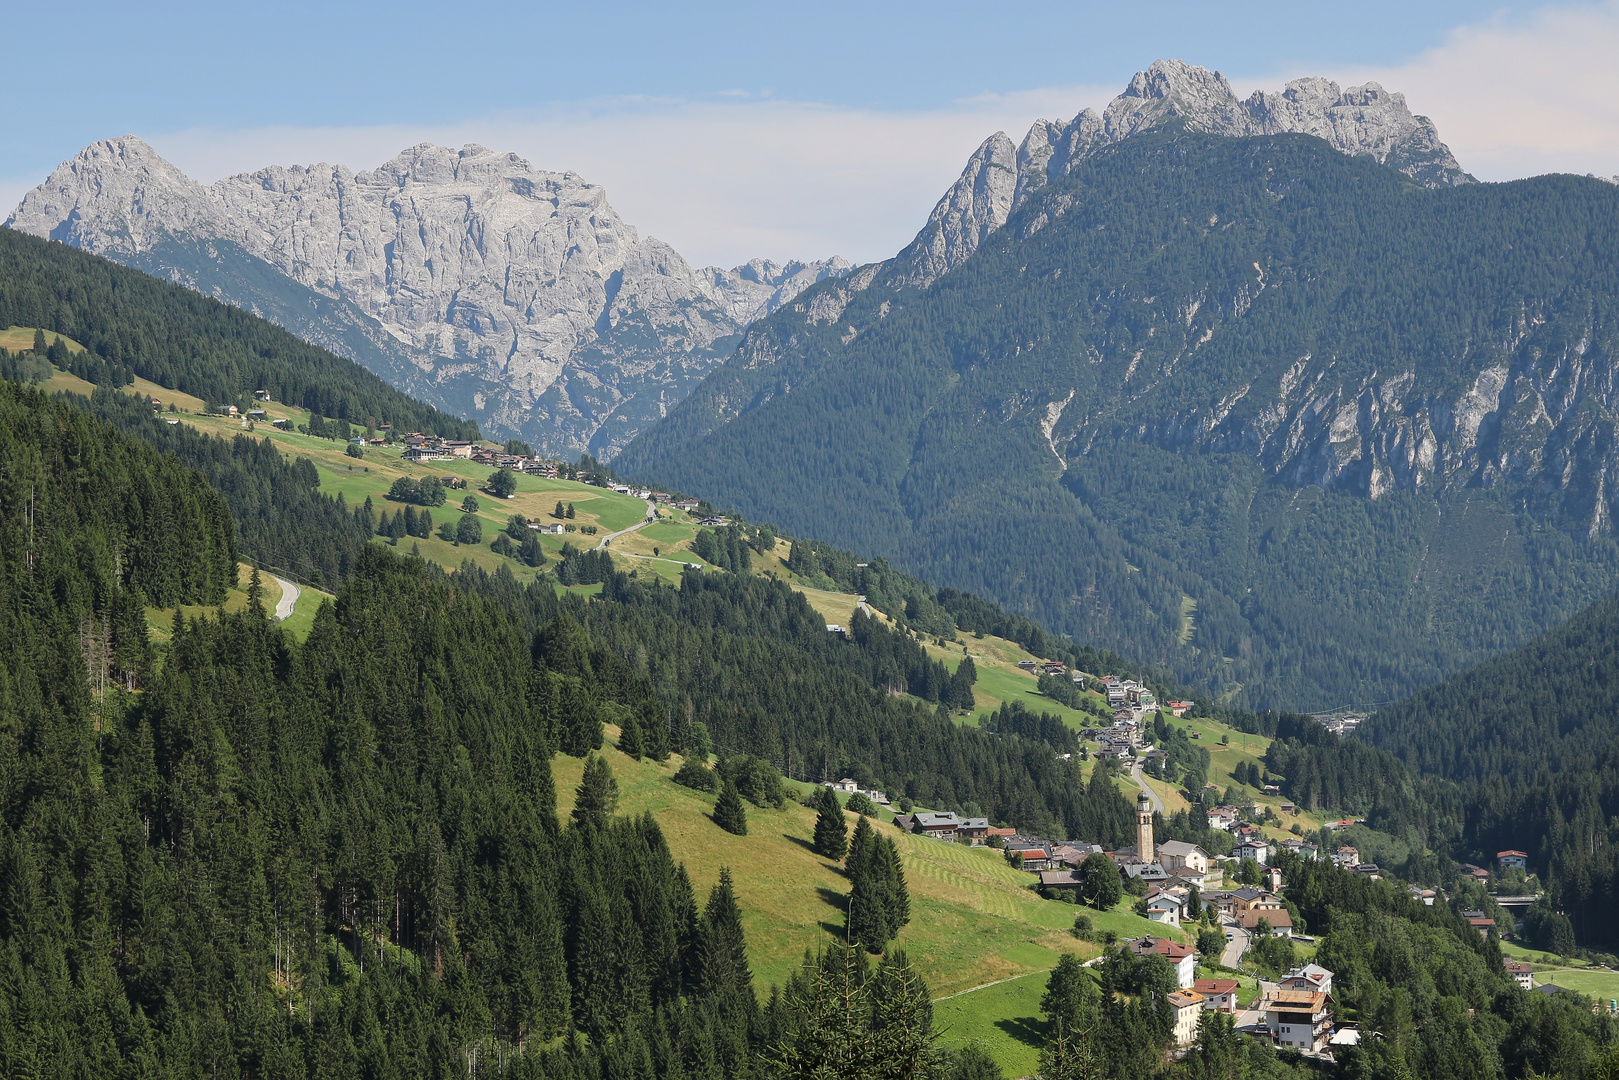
<point>517,294</point>
<point>1361,120</point>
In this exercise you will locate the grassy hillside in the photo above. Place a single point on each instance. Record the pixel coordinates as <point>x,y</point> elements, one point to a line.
<point>973,918</point>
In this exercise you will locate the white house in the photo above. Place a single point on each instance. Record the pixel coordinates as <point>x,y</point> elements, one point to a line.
<point>1165,907</point>
<point>1309,977</point>
<point>1183,958</point>
<point>1299,1019</point>
<point>1219,995</point>
<point>1512,860</point>
<point>1256,850</point>
<point>1179,855</point>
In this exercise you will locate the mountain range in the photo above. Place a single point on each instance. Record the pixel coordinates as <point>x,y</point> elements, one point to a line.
<point>1266,390</point>
<point>510,295</point>
<point>1315,419</point>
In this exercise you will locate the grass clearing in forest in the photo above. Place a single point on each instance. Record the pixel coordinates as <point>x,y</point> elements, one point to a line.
<point>21,339</point>
<point>1004,1019</point>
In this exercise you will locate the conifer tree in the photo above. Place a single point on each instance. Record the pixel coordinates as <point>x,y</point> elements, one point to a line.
<point>891,879</point>
<point>902,1020</point>
<point>579,719</point>
<point>1072,997</point>
<point>597,794</point>
<point>861,847</point>
<point>570,511</point>
<point>630,740</point>
<point>559,512</point>
<point>728,811</point>
<point>654,732</point>
<point>831,831</point>
<point>959,693</point>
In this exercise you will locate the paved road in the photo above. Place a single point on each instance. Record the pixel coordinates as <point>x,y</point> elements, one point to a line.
<point>651,516</point>
<point>1235,946</point>
<point>1157,801</point>
<point>289,597</point>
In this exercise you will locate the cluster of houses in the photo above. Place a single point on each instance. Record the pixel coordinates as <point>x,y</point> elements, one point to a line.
<point>1296,1014</point>
<point>1347,724</point>
<point>846,786</point>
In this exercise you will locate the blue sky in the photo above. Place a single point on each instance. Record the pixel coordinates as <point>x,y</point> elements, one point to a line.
<point>733,129</point>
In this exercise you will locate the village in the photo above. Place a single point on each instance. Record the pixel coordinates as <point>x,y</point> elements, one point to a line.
<point>1241,896</point>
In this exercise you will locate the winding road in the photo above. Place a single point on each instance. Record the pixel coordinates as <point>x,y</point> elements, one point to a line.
<point>1157,800</point>
<point>1235,946</point>
<point>289,598</point>
<point>651,516</point>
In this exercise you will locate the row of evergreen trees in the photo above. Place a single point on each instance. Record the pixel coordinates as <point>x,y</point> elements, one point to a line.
<point>132,323</point>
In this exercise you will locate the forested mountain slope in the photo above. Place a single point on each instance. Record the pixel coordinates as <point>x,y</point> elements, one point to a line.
<point>1280,419</point>
<point>1550,704</point>
<point>178,339</point>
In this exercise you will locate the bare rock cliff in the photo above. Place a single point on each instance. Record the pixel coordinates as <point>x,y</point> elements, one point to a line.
<point>518,294</point>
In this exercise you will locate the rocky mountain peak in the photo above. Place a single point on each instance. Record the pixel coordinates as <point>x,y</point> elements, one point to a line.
<point>1360,120</point>
<point>512,294</point>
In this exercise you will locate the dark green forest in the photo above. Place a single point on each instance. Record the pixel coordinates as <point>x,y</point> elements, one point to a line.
<point>177,338</point>
<point>244,856</point>
<point>1099,420</point>
<point>343,858</point>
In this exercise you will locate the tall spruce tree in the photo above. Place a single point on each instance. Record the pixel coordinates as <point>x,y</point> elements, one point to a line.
<point>630,739</point>
<point>959,692</point>
<point>831,831</point>
<point>597,795</point>
<point>654,730</point>
<point>861,846</point>
<point>891,880</point>
<point>728,811</point>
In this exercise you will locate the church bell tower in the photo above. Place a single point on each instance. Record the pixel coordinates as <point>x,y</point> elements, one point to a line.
<point>1145,850</point>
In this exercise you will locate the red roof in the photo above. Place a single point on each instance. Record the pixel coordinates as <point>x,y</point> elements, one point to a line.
<point>1504,854</point>
<point>1215,987</point>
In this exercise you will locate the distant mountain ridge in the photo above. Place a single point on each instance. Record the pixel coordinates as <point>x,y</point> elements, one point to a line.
<point>512,295</point>
<point>1308,425</point>
<point>1000,176</point>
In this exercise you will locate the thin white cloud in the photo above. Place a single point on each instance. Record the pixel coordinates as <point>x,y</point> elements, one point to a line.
<point>722,181</point>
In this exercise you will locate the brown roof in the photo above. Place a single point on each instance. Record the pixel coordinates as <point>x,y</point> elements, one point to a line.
<point>1182,998</point>
<point>1518,967</point>
<point>1278,918</point>
<point>1161,947</point>
<point>1214,987</point>
<point>1313,1000</point>
<point>1001,832</point>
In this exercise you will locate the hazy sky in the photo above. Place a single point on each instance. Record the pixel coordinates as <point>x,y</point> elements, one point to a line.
<point>740,129</point>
